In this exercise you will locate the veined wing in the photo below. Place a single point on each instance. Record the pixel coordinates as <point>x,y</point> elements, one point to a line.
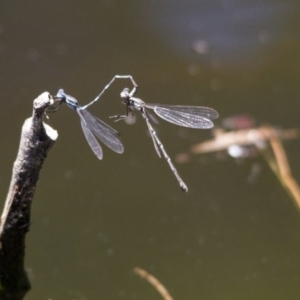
<point>188,116</point>
<point>103,132</point>
<point>90,137</point>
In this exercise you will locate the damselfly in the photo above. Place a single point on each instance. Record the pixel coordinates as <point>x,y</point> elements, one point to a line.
<point>187,116</point>
<point>91,126</point>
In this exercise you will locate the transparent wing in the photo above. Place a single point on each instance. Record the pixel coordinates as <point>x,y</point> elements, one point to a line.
<point>103,132</point>
<point>187,116</point>
<point>91,138</point>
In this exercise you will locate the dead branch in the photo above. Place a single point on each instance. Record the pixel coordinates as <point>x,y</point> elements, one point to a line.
<point>37,139</point>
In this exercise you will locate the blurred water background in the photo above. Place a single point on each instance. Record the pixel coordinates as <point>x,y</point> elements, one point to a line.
<point>94,221</point>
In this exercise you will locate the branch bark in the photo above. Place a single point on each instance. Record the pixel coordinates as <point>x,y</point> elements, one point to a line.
<point>37,139</point>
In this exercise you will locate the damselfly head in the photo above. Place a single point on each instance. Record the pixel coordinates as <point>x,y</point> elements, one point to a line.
<point>61,94</point>
<point>125,93</point>
<point>69,100</point>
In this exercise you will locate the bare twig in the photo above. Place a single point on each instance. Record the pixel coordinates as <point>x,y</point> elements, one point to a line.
<point>242,137</point>
<point>274,155</point>
<point>154,282</point>
<point>36,141</point>
<point>284,171</point>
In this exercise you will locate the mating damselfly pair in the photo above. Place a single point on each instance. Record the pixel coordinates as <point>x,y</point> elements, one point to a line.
<point>198,117</point>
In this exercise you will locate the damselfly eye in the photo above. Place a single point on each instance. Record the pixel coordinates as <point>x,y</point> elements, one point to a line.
<point>125,93</point>
<point>61,94</point>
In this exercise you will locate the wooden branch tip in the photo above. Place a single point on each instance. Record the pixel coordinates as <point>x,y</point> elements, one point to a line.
<point>43,101</point>
<point>36,141</point>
